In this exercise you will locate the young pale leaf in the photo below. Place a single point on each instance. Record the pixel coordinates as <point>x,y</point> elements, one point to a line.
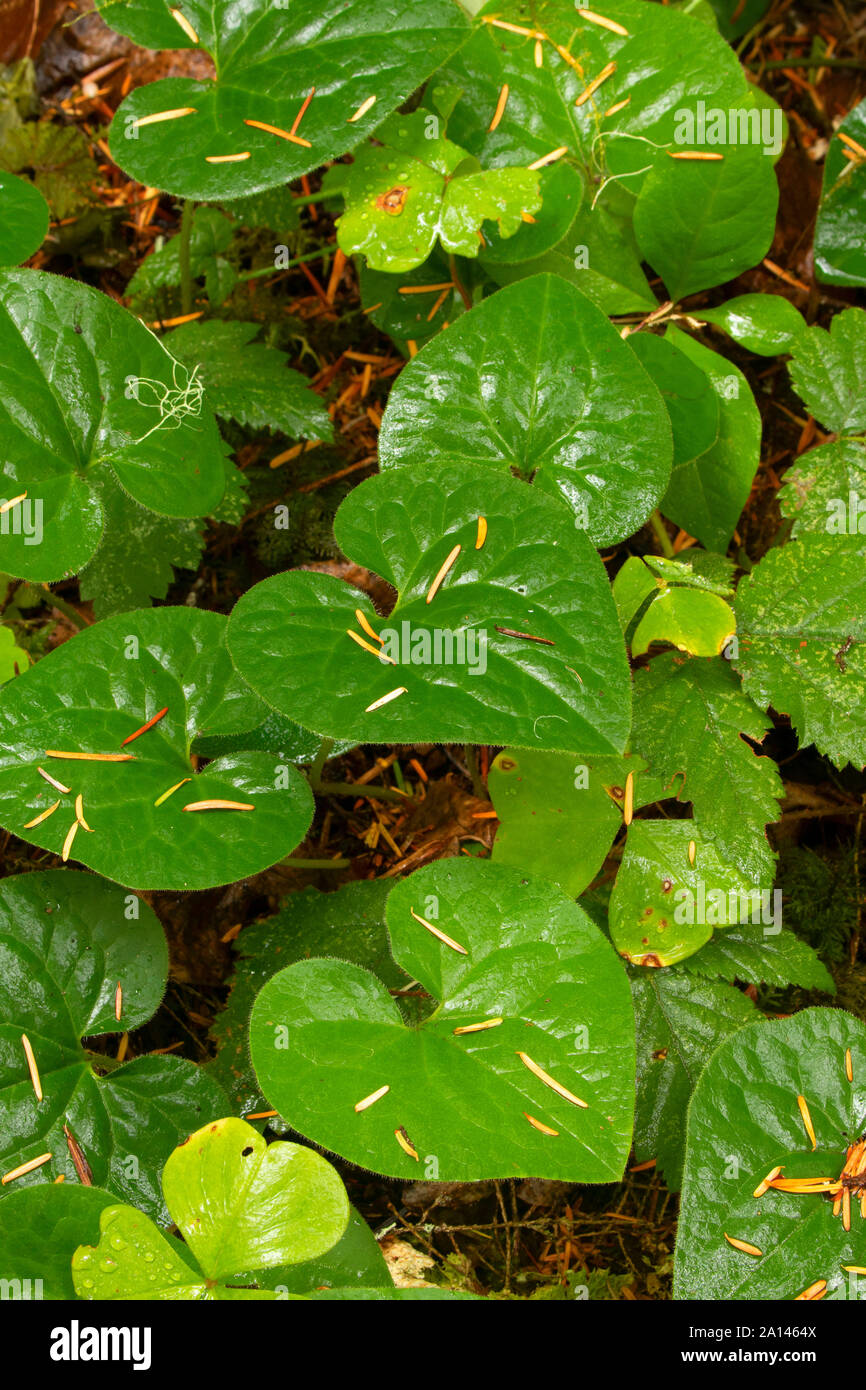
<point>355,1262</point>
<point>267,60</point>
<point>250,382</point>
<point>467,672</point>
<point>408,191</point>
<point>349,923</point>
<point>707,494</point>
<point>691,620</point>
<point>745,1108</point>
<point>104,398</point>
<point>825,491</point>
<point>828,371</point>
<point>239,1203</point>
<point>801,615</point>
<point>558,813</point>
<point>664,907</point>
<point>700,223</point>
<point>40,1227</point>
<point>67,941</point>
<point>679,1021</point>
<point>134,562</point>
<point>96,690</point>
<point>23,219</point>
<point>691,723</point>
<point>580,417</point>
<point>764,323</point>
<point>326,1036</point>
<point>840,245</point>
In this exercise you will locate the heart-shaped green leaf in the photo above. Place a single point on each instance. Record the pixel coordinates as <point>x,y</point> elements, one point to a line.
<point>408,190</point>
<point>580,417</point>
<point>89,696</point>
<point>240,1205</point>
<point>558,813</point>
<point>707,493</point>
<point>562,192</point>
<point>544,1087</point>
<point>764,323</point>
<point>840,246</point>
<point>39,1230</point>
<point>801,616</point>
<point>75,951</point>
<point>89,392</point>
<point>507,649</point>
<point>363,58</point>
<point>668,896</point>
<point>679,1021</point>
<point>745,1122</point>
<point>688,393</point>
<point>692,723</point>
<point>23,219</point>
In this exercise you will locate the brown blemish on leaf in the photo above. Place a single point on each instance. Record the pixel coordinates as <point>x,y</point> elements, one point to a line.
<point>394,200</point>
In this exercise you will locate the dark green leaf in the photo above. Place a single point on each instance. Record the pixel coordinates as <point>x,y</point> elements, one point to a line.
<point>325,1035</point>
<point>93,692</point>
<point>580,417</point>
<point>39,1230</point>
<point>840,246</point>
<point>290,634</point>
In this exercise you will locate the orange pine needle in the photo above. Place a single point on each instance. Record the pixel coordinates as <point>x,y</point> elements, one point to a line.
<point>628,802</point>
<point>25,1168</point>
<point>90,757</point>
<point>31,1066</point>
<point>694,154</point>
<point>807,1120</point>
<point>366,625</point>
<point>277,130</point>
<point>361,111</point>
<point>743,1245</point>
<point>549,158</point>
<point>182,783</point>
<point>448,940</point>
<point>443,570</point>
<point>542,1128</point>
<point>79,813</point>
<point>227,158</point>
<point>118,1001</point>
<point>478,1027</point>
<point>386,699</point>
<point>814,1291</point>
<point>603,23</point>
<point>184,24</point>
<point>371,1099</point>
<point>606,72</point>
<point>500,107</point>
<point>67,843</point>
<point>849,1065</point>
<point>420,289</point>
<point>218,805</point>
<point>368,647</point>
<point>37,820</point>
<point>300,116</point>
<point>144,728</point>
<point>549,1081</point>
<point>58,786</point>
<point>13,502</point>
<point>403,1140</point>
<point>158,116</point>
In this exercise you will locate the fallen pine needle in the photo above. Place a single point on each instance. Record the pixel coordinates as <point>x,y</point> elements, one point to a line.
<point>25,1168</point>
<point>371,1099</point>
<point>743,1245</point>
<point>549,1081</point>
<point>807,1120</point>
<point>184,24</point>
<point>549,158</point>
<point>500,107</point>
<point>277,130</point>
<point>386,699</point>
<point>218,805</point>
<point>158,116</point>
<point>37,820</point>
<point>403,1140</point>
<point>144,728</point>
<point>542,1128</point>
<point>443,570</point>
<point>90,757</point>
<point>58,786</point>
<point>361,111</point>
<point>448,940</point>
<point>67,843</point>
<point>171,791</point>
<point>31,1066</point>
<point>79,813</point>
<point>478,1027</point>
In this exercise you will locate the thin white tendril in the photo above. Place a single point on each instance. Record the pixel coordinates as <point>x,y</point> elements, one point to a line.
<point>633,173</point>
<point>175,404</point>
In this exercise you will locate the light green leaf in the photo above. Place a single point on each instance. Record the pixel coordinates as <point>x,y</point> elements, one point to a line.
<point>23,219</point>
<point>801,615</point>
<point>562,192</point>
<point>94,691</point>
<point>691,620</point>
<point>267,58</point>
<point>580,418</point>
<point>240,1203</point>
<point>67,940</point>
<point>13,659</point>
<point>524,953</point>
<point>408,191</point>
<point>691,723</point>
<point>745,1107</point>
<point>558,813</point>
<point>100,396</point>
<point>764,323</point>
<point>466,675</point>
<point>134,1260</point>
<point>707,494</point>
<point>249,381</point>
<point>664,907</point>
